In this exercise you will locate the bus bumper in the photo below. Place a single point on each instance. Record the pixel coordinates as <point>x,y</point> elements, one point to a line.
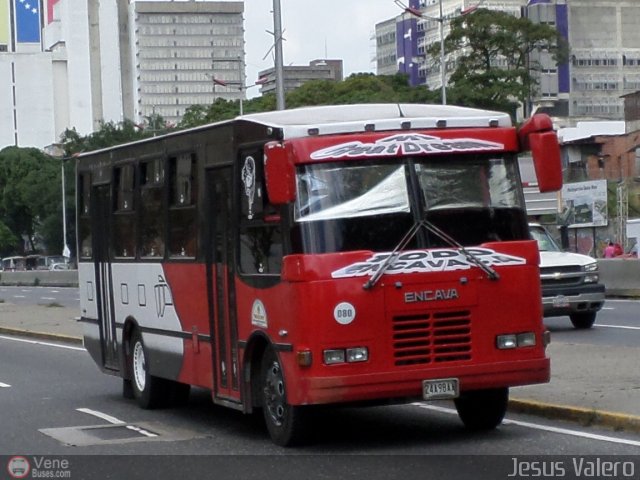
<point>408,384</point>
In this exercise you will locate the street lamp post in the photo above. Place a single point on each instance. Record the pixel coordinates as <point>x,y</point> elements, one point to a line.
<point>56,150</point>
<point>242,88</point>
<point>440,19</point>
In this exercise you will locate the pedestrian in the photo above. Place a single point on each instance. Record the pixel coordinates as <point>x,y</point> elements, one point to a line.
<point>617,249</point>
<point>609,250</point>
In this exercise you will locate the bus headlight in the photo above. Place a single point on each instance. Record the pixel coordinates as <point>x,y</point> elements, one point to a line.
<point>357,354</point>
<point>513,340</point>
<point>331,357</point>
<point>347,355</point>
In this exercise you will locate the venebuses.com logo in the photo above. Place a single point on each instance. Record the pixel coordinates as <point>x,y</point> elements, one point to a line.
<point>18,467</point>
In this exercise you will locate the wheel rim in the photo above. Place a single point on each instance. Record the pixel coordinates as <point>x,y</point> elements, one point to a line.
<point>275,402</point>
<point>139,366</point>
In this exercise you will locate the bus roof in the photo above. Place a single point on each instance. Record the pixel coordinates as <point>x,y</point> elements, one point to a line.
<point>325,120</point>
<point>338,119</point>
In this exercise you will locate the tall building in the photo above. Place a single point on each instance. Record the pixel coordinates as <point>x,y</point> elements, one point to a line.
<point>404,42</point>
<point>604,63</point>
<point>78,63</point>
<point>26,86</point>
<point>185,53</point>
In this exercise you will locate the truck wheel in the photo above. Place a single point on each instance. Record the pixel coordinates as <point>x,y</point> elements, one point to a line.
<point>285,423</point>
<point>583,320</point>
<point>149,391</point>
<point>482,410</point>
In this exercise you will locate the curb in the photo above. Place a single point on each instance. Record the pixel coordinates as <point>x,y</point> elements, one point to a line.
<point>41,335</point>
<point>584,416</point>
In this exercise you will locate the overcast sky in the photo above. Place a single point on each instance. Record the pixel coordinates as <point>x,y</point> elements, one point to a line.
<point>336,29</point>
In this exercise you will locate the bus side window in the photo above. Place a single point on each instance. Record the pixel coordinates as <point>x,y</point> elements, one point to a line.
<point>182,209</point>
<point>151,207</point>
<point>260,231</point>
<point>84,218</point>
<point>124,221</point>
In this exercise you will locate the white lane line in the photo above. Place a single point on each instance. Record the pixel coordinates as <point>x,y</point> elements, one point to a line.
<point>47,344</point>
<point>48,298</point>
<point>101,415</point>
<point>546,428</point>
<point>4,385</point>
<point>19,296</point>
<point>141,431</point>
<point>608,308</point>
<point>617,326</point>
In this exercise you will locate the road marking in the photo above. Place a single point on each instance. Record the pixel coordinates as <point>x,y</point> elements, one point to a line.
<point>19,296</point>
<point>4,385</point>
<point>617,326</point>
<point>48,298</point>
<point>101,415</point>
<point>608,308</point>
<point>535,426</point>
<point>141,431</point>
<point>47,344</point>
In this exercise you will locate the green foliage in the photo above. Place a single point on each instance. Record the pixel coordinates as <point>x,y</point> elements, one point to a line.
<point>495,68</point>
<point>30,200</point>
<point>358,88</point>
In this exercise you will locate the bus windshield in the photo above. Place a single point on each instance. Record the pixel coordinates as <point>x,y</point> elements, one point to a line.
<point>370,206</point>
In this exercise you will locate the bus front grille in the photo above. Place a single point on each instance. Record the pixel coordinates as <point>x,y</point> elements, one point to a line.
<point>431,337</point>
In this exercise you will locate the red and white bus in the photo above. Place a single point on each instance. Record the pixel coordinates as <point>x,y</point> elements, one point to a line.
<point>327,255</point>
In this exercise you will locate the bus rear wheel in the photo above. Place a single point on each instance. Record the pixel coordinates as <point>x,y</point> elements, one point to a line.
<point>149,391</point>
<point>285,423</point>
<point>482,410</point>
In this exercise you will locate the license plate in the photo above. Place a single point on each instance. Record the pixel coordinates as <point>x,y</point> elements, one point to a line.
<point>560,301</point>
<point>440,389</point>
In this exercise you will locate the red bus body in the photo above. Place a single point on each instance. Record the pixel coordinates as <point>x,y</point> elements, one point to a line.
<point>207,314</point>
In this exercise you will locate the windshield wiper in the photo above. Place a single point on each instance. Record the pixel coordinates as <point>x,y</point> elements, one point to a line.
<point>471,257</point>
<point>392,256</point>
<point>430,227</point>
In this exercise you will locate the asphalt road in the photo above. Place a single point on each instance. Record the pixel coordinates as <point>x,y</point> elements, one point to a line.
<point>50,394</point>
<point>65,296</point>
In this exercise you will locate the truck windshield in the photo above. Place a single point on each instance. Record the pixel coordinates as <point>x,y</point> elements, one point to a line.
<point>371,205</point>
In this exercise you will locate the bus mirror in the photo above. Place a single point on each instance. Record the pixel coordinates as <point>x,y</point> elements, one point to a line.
<point>537,135</point>
<point>545,151</point>
<point>279,173</point>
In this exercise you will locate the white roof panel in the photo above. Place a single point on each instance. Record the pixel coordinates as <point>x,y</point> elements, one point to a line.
<point>387,116</point>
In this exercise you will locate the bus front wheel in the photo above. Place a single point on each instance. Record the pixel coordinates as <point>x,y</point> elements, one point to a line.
<point>482,410</point>
<point>286,423</point>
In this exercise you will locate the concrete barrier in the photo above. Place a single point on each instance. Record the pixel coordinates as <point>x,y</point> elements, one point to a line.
<point>43,278</point>
<point>621,276</point>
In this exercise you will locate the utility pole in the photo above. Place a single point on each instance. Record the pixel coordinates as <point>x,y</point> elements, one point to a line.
<point>279,70</point>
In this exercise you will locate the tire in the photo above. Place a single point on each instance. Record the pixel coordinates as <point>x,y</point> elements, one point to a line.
<point>482,410</point>
<point>582,321</point>
<point>285,423</point>
<point>150,392</point>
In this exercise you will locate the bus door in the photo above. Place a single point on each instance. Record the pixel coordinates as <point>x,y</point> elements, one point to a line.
<point>101,234</point>
<point>220,281</point>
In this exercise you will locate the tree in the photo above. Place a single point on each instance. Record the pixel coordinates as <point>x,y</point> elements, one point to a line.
<point>30,203</point>
<point>495,67</point>
<point>358,88</point>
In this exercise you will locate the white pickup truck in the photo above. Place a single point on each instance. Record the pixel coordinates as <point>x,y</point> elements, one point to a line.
<point>570,281</point>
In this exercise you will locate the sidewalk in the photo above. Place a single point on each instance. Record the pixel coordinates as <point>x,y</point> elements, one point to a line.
<point>589,384</point>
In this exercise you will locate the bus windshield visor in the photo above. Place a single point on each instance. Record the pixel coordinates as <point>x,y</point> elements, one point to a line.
<point>356,191</point>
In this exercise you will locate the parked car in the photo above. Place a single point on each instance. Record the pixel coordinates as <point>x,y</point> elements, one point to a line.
<point>570,281</point>
<point>15,263</point>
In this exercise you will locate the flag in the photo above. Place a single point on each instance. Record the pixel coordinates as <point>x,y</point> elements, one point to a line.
<point>27,21</point>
